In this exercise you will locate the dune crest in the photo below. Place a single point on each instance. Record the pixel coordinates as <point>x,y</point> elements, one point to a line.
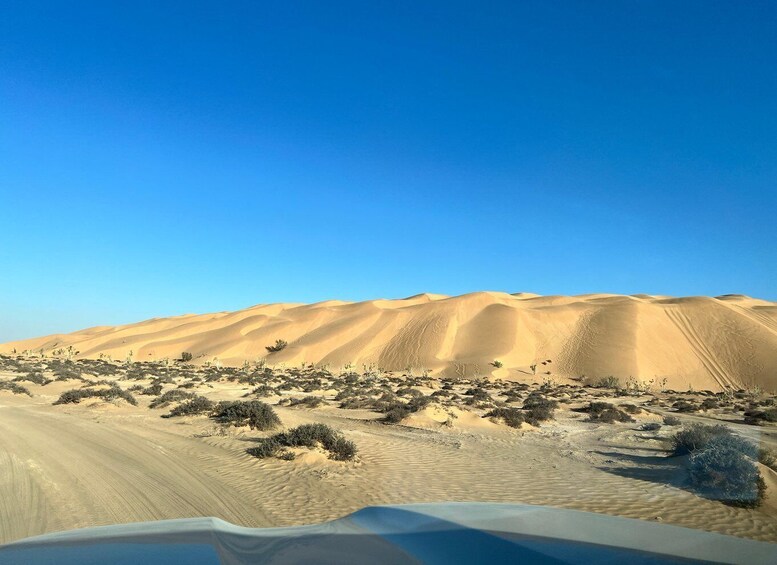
<point>699,342</point>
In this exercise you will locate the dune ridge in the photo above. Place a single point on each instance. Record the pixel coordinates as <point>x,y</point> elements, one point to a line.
<point>700,342</point>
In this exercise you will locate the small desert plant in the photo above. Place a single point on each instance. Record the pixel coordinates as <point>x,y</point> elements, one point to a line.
<point>672,421</point>
<point>186,356</point>
<point>14,388</point>
<point>606,413</point>
<point>152,390</point>
<point>767,457</point>
<point>197,405</point>
<point>34,377</point>
<point>650,427</point>
<point>513,417</point>
<point>696,437</point>
<point>279,345</point>
<point>607,382</point>
<point>496,363</point>
<point>175,395</point>
<point>759,417</point>
<point>307,401</point>
<point>257,415</point>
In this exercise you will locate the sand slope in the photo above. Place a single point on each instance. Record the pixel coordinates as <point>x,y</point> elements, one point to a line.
<point>700,342</point>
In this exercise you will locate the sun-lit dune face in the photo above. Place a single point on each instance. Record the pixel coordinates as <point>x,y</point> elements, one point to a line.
<point>699,342</point>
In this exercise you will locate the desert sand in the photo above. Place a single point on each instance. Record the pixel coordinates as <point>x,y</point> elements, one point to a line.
<point>694,342</point>
<point>99,462</point>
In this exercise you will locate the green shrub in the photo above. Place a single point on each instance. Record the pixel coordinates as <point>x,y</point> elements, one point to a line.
<point>186,357</point>
<point>256,414</point>
<point>696,437</point>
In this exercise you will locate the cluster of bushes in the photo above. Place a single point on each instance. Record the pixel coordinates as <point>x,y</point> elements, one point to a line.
<point>35,377</point>
<point>760,417</point>
<point>536,408</point>
<point>722,465</point>
<point>113,393</point>
<point>307,435</point>
<point>606,413</point>
<point>14,388</point>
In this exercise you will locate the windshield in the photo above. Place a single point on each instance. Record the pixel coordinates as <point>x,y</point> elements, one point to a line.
<point>275,263</point>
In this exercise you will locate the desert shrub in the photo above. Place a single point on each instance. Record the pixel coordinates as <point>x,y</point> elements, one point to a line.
<point>685,406</point>
<point>478,394</point>
<point>407,391</point>
<point>279,345</point>
<point>536,400</point>
<point>672,421</point>
<point>696,437</point>
<point>759,417</point>
<point>497,364</point>
<point>709,403</point>
<point>726,474</point>
<point>606,413</point>
<point>175,395</point>
<point>538,414</point>
<point>607,382</point>
<point>513,417</point>
<point>263,391</point>
<point>35,377</point>
<point>14,388</point>
<point>308,435</point>
<point>767,457</point>
<point>257,415</point>
<point>650,427</point>
<point>196,405</point>
<point>396,414</point>
<point>152,390</point>
<point>630,408</point>
<point>269,447</point>
<point>307,401</point>
<point>186,357</point>
<point>112,393</point>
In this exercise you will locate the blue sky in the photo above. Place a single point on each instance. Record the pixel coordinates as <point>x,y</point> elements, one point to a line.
<point>162,158</point>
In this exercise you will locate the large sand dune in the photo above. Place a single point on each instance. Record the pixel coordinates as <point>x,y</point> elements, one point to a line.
<point>700,342</point>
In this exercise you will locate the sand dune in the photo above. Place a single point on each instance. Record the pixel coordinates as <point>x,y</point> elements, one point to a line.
<point>700,342</point>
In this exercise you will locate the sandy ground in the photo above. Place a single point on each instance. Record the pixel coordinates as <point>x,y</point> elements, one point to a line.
<point>97,463</point>
<point>699,342</point>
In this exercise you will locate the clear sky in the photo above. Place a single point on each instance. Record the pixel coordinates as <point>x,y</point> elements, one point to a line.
<point>161,158</point>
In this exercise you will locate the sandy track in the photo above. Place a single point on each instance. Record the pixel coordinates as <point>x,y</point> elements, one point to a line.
<point>60,471</point>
